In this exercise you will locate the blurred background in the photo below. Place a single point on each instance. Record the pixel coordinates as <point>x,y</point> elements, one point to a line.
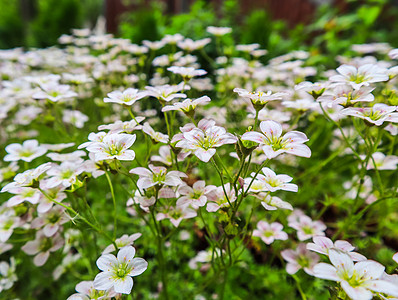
<point>320,26</point>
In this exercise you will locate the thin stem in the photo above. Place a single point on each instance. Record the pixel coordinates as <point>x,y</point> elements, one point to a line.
<point>114,204</point>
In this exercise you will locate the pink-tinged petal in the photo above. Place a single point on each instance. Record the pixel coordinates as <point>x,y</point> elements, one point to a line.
<point>299,150</point>
<point>344,245</point>
<point>326,271</point>
<point>50,229</point>
<point>382,286</point>
<point>356,256</point>
<point>103,281</point>
<point>204,124</point>
<point>369,269</point>
<point>141,171</point>
<point>347,70</point>
<point>126,253</point>
<point>139,266</point>
<point>205,155</point>
<point>271,128</point>
<point>357,293</point>
<point>292,268</point>
<point>341,260</point>
<point>254,137</point>
<point>276,226</point>
<point>268,172</point>
<point>105,262</point>
<point>395,257</point>
<point>212,207</point>
<point>270,153</point>
<point>289,255</point>
<point>31,247</point>
<point>295,137</point>
<point>316,248</point>
<point>282,236</point>
<point>323,242</point>
<point>124,285</point>
<point>84,287</point>
<point>290,187</point>
<point>41,258</point>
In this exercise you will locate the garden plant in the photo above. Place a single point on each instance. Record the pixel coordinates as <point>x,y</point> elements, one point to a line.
<point>191,169</point>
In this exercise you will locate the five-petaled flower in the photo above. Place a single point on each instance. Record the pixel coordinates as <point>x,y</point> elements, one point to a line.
<point>118,271</point>
<point>273,143</point>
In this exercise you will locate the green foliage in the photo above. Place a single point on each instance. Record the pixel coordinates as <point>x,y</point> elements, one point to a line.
<point>11,26</point>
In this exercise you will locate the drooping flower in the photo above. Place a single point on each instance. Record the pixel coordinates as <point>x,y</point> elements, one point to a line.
<point>118,271</point>
<point>123,241</point>
<point>273,143</point>
<point>359,280</point>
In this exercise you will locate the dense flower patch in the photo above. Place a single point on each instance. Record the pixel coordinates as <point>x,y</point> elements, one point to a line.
<point>227,175</point>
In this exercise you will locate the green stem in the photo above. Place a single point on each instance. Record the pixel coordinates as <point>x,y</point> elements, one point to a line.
<point>114,204</point>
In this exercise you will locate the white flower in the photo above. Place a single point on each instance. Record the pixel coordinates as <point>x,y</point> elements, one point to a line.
<point>64,174</point>
<point>176,214</point>
<point>28,151</point>
<point>42,246</point>
<point>383,162</point>
<point>259,98</point>
<point>272,182</point>
<point>205,138</point>
<point>167,92</point>
<point>187,72</point>
<point>393,54</point>
<point>217,199</point>
<point>51,221</point>
<point>123,241</point>
<point>86,291</point>
<point>376,114</point>
<point>196,196</point>
<point>300,258</point>
<point>8,275</point>
<point>157,176</point>
<point>155,136</point>
<point>117,271</point>
<point>362,76</point>
<point>307,228</point>
<point>218,31</point>
<point>119,126</point>
<point>270,232</point>
<point>113,146</point>
<point>345,95</point>
<point>74,117</point>
<point>273,143</point>
<point>54,92</point>
<point>28,177</point>
<point>188,105</point>
<point>190,45</point>
<point>273,203</point>
<point>359,281</point>
<point>127,97</point>
<point>322,244</point>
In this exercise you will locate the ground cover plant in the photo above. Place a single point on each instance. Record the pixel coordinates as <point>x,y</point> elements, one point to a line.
<point>158,171</point>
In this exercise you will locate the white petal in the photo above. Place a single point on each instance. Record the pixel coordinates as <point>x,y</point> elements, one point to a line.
<point>124,285</point>
<point>139,266</point>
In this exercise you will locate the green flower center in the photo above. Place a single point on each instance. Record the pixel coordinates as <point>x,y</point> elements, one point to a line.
<point>358,78</point>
